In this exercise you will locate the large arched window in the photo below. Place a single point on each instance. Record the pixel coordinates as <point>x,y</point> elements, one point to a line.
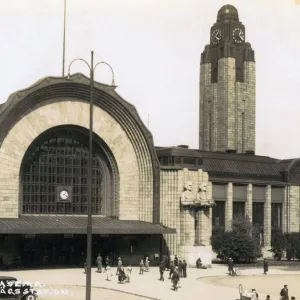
<point>60,162</point>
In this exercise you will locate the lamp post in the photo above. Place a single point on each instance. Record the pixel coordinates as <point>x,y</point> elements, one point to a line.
<point>90,173</point>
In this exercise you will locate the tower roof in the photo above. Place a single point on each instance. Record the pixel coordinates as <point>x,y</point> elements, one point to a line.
<point>227,12</point>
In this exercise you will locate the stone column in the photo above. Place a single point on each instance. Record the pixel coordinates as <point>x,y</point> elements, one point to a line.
<point>187,226</point>
<point>228,207</point>
<point>203,231</point>
<point>267,218</point>
<point>284,210</point>
<point>248,209</point>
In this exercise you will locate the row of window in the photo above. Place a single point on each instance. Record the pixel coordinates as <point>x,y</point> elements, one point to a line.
<point>60,209</point>
<point>238,208</point>
<point>219,192</point>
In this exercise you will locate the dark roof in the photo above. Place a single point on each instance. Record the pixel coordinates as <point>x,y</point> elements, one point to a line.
<point>232,165</point>
<point>77,225</point>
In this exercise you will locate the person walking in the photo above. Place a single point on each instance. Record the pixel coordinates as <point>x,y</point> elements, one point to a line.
<point>180,268</point>
<point>108,273</point>
<point>172,267</point>
<point>266,266</point>
<point>162,268</point>
<point>147,264</point>
<point>99,263</point>
<point>284,293</point>
<point>106,262</point>
<point>141,267</point>
<point>176,261</point>
<point>230,266</point>
<point>184,267</point>
<point>119,266</point>
<point>128,273</point>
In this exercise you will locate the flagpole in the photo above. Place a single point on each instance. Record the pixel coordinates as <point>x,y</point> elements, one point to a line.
<point>64,39</point>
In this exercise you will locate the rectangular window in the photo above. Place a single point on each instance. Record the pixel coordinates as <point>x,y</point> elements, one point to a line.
<point>276,215</point>
<point>218,214</point>
<point>219,192</point>
<point>277,194</point>
<point>259,193</point>
<point>240,193</point>
<point>238,209</point>
<point>258,214</point>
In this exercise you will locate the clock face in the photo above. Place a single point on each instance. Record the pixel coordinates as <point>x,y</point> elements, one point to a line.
<point>64,195</point>
<point>216,36</point>
<point>238,35</point>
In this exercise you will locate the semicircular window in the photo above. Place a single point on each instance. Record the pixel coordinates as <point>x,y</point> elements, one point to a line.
<point>57,165</point>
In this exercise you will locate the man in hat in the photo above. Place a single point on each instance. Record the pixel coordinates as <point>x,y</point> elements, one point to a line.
<point>284,293</point>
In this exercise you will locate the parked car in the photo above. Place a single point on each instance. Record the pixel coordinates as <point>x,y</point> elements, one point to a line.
<point>10,288</point>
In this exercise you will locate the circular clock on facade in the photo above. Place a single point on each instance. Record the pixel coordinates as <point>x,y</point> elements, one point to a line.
<point>216,36</point>
<point>64,195</point>
<point>238,35</point>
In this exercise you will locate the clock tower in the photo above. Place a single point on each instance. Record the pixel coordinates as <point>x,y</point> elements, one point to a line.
<point>227,88</point>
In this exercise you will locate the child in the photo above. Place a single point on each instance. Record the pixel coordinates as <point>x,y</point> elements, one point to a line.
<point>128,273</point>
<point>141,267</point>
<point>108,273</point>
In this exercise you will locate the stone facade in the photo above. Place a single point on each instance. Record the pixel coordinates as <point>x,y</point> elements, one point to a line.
<point>136,192</point>
<point>227,104</point>
<point>193,223</point>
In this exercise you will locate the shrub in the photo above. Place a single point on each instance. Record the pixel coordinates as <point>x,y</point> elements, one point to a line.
<point>237,244</point>
<point>278,242</point>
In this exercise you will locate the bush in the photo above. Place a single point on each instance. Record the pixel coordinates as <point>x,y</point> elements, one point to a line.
<point>241,247</point>
<point>237,244</point>
<point>278,243</point>
<point>289,242</point>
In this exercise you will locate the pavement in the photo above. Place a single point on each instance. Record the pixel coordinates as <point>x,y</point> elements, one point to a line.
<point>210,284</point>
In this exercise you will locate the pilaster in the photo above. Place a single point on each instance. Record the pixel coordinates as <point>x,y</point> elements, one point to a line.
<point>267,218</point>
<point>248,208</point>
<point>228,207</point>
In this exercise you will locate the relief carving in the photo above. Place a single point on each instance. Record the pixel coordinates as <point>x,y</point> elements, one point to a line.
<point>187,198</point>
<point>202,198</point>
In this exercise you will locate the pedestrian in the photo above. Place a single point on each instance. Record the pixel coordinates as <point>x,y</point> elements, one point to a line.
<point>266,266</point>
<point>284,293</point>
<point>99,263</point>
<point>119,265</point>
<point>162,268</point>
<point>85,265</point>
<point>106,261</point>
<point>293,298</point>
<point>128,273</point>
<point>141,267</point>
<point>230,266</point>
<point>176,261</point>
<point>180,268</point>
<point>175,278</point>
<point>268,297</point>
<point>184,268</point>
<point>108,273</point>
<point>147,264</point>
<point>172,267</point>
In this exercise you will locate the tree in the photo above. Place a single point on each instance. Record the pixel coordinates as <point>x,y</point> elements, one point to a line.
<point>237,244</point>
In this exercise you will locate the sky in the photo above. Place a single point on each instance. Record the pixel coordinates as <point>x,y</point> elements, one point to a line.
<point>154,48</point>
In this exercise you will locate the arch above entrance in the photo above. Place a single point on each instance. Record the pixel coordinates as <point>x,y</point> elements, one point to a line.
<point>57,101</point>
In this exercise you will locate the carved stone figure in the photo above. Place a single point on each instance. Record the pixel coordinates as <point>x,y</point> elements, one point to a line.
<point>202,199</point>
<point>187,197</point>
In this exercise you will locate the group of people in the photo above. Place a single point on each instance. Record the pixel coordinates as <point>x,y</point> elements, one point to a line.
<point>284,294</point>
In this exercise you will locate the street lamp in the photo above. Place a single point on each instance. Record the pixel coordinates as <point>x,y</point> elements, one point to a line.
<point>89,181</point>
